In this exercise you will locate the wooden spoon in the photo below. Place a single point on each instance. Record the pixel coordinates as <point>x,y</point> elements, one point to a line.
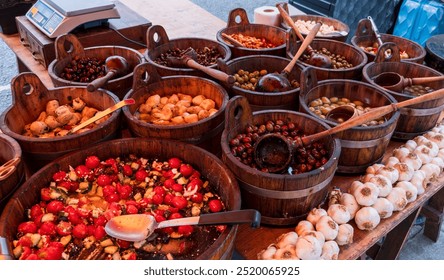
<point>115,66</point>
<point>8,167</point>
<point>273,143</point>
<point>102,114</point>
<point>188,58</point>
<point>316,59</point>
<point>232,41</point>
<point>396,82</point>
<point>137,227</point>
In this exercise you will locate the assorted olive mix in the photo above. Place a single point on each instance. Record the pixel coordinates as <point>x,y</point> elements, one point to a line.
<point>84,69</point>
<point>248,80</point>
<point>417,90</point>
<point>338,61</point>
<point>322,106</point>
<point>305,158</point>
<point>205,56</point>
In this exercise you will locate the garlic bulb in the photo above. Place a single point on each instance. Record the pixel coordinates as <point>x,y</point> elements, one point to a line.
<point>431,171</point>
<point>303,226</point>
<point>405,171</point>
<point>373,169</point>
<point>411,192</point>
<point>314,215</point>
<point>438,161</point>
<point>383,183</point>
<point>334,195</point>
<point>367,218</point>
<point>317,234</point>
<point>354,185</point>
<point>267,254</point>
<point>391,173</point>
<point>345,234</point>
<point>366,194</point>
<point>400,152</point>
<point>286,253</point>
<point>411,145</point>
<point>367,177</point>
<point>330,250</point>
<point>391,161</point>
<point>419,181</point>
<point>441,153</point>
<point>384,207</point>
<point>349,201</point>
<point>436,138</point>
<point>422,140</point>
<point>308,248</point>
<point>327,227</point>
<point>285,239</point>
<point>398,198</point>
<point>424,154</point>
<point>413,160</point>
<point>339,213</point>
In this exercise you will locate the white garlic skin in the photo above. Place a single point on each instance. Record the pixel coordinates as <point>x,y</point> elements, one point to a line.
<point>436,138</point>
<point>327,227</point>
<point>401,152</point>
<point>286,253</point>
<point>349,201</point>
<point>308,248</point>
<point>354,185</point>
<point>366,194</point>
<point>315,214</point>
<point>411,192</point>
<point>438,161</point>
<point>373,169</point>
<point>419,181</point>
<point>391,173</point>
<point>405,171</point>
<point>267,254</point>
<point>398,198</point>
<point>384,207</point>
<point>303,226</point>
<point>317,234</point>
<point>412,160</point>
<point>345,234</point>
<point>330,250</point>
<point>424,154</point>
<point>391,161</point>
<point>339,213</point>
<point>411,145</point>
<point>286,239</point>
<point>431,171</point>
<point>383,183</point>
<point>367,218</point>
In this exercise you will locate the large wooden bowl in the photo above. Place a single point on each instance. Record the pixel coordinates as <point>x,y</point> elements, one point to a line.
<point>209,166</point>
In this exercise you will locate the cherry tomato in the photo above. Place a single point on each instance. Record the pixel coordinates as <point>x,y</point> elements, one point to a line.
<point>179,202</point>
<point>92,162</point>
<point>103,180</point>
<point>215,205</point>
<point>157,198</point>
<point>45,194</point>
<point>109,189</point>
<point>80,231</point>
<point>115,197</point>
<point>168,174</point>
<point>141,174</point>
<point>127,170</point>
<point>175,216</point>
<point>174,162</point>
<point>27,227</point>
<point>177,188</point>
<point>169,183</point>
<point>197,198</point>
<point>193,184</point>
<point>82,171</point>
<point>186,170</point>
<point>123,244</point>
<point>35,211</point>
<point>131,209</point>
<point>168,199</point>
<point>55,206</point>
<point>59,176</point>
<point>64,228</point>
<point>185,230</point>
<point>159,190</point>
<point>99,232</point>
<point>47,228</point>
<point>100,221</point>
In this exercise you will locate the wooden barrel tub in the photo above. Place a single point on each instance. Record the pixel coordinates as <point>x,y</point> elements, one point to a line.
<point>353,55</point>
<point>286,100</point>
<point>205,133</point>
<point>361,146</point>
<point>416,119</point>
<point>365,37</point>
<point>159,44</point>
<point>10,149</point>
<point>238,23</point>
<point>30,97</point>
<point>69,47</point>
<point>282,199</point>
<point>209,166</point>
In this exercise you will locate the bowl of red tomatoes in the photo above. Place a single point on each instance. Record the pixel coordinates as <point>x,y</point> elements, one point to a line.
<point>60,212</point>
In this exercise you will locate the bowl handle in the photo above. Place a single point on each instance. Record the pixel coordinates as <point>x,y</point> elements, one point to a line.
<point>238,12</point>
<point>151,41</point>
<point>26,85</point>
<point>308,81</point>
<point>238,113</point>
<point>62,41</point>
<point>392,51</point>
<point>145,74</point>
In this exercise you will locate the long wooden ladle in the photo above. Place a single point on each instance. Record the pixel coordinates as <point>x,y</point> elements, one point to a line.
<point>102,114</point>
<point>275,152</point>
<point>115,65</point>
<point>396,82</point>
<point>137,227</point>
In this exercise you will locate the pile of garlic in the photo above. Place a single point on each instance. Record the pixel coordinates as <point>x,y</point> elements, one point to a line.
<point>384,189</point>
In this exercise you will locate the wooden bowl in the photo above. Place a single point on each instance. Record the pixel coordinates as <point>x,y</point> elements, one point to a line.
<point>30,97</point>
<point>282,199</point>
<point>158,43</point>
<point>365,37</point>
<point>205,133</point>
<point>64,55</point>
<point>287,100</point>
<point>361,146</point>
<point>273,34</point>
<point>209,166</point>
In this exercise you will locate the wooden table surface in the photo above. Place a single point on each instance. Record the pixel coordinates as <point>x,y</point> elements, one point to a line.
<point>182,18</point>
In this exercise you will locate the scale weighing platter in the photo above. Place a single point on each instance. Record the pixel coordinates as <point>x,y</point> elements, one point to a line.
<point>57,17</point>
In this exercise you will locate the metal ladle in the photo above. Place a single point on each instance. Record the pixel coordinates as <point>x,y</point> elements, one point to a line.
<point>115,65</point>
<point>396,82</point>
<point>137,227</point>
<point>275,152</point>
<point>278,82</point>
<point>316,59</point>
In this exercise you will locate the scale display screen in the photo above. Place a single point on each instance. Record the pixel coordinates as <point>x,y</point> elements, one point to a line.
<point>45,17</point>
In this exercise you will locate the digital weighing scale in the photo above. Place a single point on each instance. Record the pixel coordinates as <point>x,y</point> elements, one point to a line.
<point>57,17</point>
